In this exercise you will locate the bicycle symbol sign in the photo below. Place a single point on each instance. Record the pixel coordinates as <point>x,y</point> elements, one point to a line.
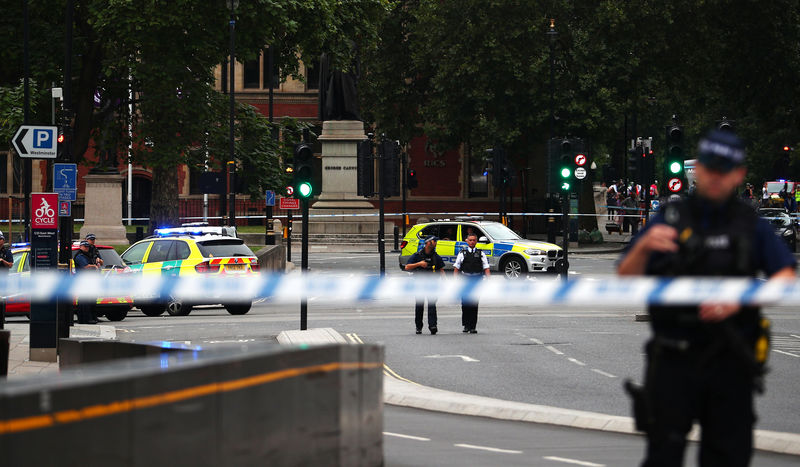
<point>44,213</point>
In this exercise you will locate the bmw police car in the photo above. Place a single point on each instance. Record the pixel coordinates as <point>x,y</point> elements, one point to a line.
<point>188,251</point>
<point>506,251</point>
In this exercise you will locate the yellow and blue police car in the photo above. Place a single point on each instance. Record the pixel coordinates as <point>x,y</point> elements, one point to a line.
<point>506,251</point>
<point>187,251</point>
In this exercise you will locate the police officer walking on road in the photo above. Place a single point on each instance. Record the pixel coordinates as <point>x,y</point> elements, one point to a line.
<point>702,362</point>
<point>84,262</point>
<point>426,262</point>
<point>93,252</point>
<point>471,262</point>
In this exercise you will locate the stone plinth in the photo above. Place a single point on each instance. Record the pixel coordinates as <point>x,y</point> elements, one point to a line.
<point>352,214</point>
<point>103,209</point>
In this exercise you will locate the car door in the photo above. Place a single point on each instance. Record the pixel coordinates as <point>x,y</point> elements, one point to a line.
<point>487,246</point>
<point>446,246</point>
<point>158,254</point>
<point>133,257</point>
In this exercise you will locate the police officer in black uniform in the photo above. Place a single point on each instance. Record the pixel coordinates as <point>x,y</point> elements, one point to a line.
<point>84,262</point>
<point>702,362</point>
<point>426,262</point>
<point>6,258</point>
<point>472,263</point>
<point>93,253</point>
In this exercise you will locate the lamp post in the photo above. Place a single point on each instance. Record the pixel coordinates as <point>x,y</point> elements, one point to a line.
<point>232,5</point>
<point>551,234</point>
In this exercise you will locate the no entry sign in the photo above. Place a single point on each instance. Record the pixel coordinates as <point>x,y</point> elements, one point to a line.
<point>675,185</point>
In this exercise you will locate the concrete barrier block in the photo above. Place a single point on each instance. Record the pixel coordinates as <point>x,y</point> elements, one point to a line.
<point>177,418</point>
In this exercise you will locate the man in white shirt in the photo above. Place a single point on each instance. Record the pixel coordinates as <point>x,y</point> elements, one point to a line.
<point>471,262</point>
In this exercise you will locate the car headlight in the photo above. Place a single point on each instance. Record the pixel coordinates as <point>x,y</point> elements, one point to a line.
<point>533,252</point>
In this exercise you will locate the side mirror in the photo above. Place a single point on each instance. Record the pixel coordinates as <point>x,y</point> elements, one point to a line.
<point>483,240</point>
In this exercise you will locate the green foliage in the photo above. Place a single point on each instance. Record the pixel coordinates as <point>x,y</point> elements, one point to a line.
<point>478,72</point>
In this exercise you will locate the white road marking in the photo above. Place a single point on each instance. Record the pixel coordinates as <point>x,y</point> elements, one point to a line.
<point>536,341</point>
<point>398,435</point>
<point>572,461</point>
<point>786,353</point>
<point>554,350</point>
<point>487,448</point>
<point>462,357</point>
<point>795,335</point>
<point>601,372</point>
<point>577,362</point>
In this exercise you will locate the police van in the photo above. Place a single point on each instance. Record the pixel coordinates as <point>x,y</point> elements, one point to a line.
<point>506,251</point>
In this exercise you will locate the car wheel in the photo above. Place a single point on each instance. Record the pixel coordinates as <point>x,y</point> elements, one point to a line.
<point>152,310</point>
<point>238,308</point>
<point>117,314</point>
<point>177,307</point>
<point>514,267</point>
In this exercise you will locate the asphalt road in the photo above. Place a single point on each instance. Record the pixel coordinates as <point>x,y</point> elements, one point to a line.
<point>569,358</point>
<point>417,437</point>
<point>561,357</point>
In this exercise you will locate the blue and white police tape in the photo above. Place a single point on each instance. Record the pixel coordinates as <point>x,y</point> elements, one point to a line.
<point>601,292</point>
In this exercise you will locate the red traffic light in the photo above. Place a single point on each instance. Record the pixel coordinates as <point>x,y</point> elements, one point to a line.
<point>60,138</point>
<point>787,148</point>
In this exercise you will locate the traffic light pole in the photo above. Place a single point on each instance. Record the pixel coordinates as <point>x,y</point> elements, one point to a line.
<point>404,187</point>
<point>565,225</point>
<point>304,264</point>
<point>381,195</point>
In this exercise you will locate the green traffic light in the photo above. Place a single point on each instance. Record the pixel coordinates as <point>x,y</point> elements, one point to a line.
<point>565,172</point>
<point>305,189</point>
<point>674,167</point>
<point>565,186</point>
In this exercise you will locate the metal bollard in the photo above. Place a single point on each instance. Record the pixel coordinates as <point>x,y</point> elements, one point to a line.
<point>5,338</point>
<point>396,238</point>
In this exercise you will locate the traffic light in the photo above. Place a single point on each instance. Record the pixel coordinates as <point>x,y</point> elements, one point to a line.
<point>499,168</point>
<point>675,151</point>
<point>303,171</point>
<point>411,179</point>
<point>365,165</point>
<point>60,139</point>
<point>634,163</point>
<point>565,164</point>
<point>390,185</point>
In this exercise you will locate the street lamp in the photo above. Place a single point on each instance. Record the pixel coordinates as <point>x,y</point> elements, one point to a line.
<point>551,234</point>
<point>232,6</point>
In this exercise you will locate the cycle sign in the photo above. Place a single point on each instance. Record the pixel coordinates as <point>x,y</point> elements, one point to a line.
<point>43,211</point>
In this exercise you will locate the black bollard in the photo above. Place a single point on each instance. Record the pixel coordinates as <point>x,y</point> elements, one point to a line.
<point>5,338</point>
<point>396,238</point>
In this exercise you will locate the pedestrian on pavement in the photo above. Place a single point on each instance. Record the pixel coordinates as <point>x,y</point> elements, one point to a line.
<point>471,262</point>
<point>83,263</point>
<point>611,200</point>
<point>630,207</point>
<point>426,263</point>
<point>764,196</point>
<point>93,252</point>
<point>702,363</point>
<point>6,258</point>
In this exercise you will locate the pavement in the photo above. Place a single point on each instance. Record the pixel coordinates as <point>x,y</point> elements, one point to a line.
<point>19,363</point>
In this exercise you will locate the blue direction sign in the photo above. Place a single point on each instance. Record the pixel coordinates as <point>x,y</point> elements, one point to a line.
<point>65,181</point>
<point>270,197</point>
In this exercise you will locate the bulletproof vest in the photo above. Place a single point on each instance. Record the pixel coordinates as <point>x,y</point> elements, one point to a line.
<point>428,258</point>
<point>472,263</point>
<point>87,255</point>
<point>712,241</point>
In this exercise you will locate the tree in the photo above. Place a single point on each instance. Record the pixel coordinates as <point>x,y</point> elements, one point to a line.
<point>165,52</point>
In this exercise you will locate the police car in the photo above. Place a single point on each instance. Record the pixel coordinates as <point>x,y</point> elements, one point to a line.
<point>506,251</point>
<point>188,251</point>
<point>113,308</point>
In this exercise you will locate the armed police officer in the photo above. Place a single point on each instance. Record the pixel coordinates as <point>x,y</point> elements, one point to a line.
<point>93,252</point>
<point>471,262</point>
<point>701,362</point>
<point>426,262</point>
<point>6,258</point>
<point>84,262</point>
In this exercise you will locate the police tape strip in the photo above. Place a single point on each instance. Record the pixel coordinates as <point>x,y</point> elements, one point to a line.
<point>610,291</point>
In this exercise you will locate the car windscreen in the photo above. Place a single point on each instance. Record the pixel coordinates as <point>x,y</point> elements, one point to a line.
<point>109,256</point>
<point>777,218</point>
<point>223,248</point>
<point>499,232</point>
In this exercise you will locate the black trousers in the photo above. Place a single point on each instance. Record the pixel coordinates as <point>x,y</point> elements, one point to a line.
<point>419,309</point>
<point>714,390</point>
<point>469,314</point>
